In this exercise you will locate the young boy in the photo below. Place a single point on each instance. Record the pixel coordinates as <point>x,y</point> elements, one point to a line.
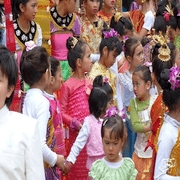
<point>20,148</point>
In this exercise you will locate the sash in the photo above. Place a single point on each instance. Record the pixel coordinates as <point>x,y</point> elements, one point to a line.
<point>10,40</point>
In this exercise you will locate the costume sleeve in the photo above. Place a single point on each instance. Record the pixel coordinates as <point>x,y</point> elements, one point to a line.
<point>43,116</point>
<point>165,144</point>
<point>79,143</point>
<point>39,39</point>
<point>148,20</point>
<point>137,126</point>
<point>33,155</point>
<point>77,27</point>
<point>64,99</point>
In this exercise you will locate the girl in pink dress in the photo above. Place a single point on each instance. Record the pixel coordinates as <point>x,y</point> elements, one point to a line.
<point>74,99</point>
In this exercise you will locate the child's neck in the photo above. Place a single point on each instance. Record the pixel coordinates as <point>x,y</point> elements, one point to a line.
<point>78,74</point>
<point>101,61</point>
<point>175,115</point>
<point>38,86</point>
<point>61,9</point>
<point>145,98</point>
<point>23,23</point>
<point>92,18</point>
<point>108,10</point>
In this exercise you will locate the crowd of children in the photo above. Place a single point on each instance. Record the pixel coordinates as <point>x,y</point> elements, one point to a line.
<point>103,103</point>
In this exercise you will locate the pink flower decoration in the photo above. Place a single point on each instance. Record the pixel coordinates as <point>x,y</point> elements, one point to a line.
<point>29,45</point>
<point>111,112</point>
<point>109,34</point>
<point>166,16</point>
<point>174,77</point>
<point>148,64</point>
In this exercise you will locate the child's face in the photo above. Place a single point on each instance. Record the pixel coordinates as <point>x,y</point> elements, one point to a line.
<point>92,6</point>
<point>57,79</point>
<point>111,147</point>
<point>5,92</point>
<point>29,11</point>
<point>140,87</point>
<point>109,3</point>
<point>110,58</point>
<point>138,57</point>
<point>86,63</point>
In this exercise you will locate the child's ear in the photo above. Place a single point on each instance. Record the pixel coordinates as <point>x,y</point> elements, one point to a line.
<point>105,51</point>
<point>148,85</point>
<point>129,58</point>
<point>52,80</point>
<point>10,90</point>
<point>78,62</point>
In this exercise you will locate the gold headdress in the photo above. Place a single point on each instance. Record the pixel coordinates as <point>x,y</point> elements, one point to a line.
<point>74,41</point>
<point>169,9</point>
<point>117,16</point>
<point>164,51</point>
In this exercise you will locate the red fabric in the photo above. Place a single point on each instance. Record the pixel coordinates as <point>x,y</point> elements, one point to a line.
<point>10,40</point>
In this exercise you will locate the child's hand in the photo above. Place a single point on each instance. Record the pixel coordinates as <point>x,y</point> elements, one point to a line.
<point>60,162</point>
<point>88,84</point>
<point>67,167</point>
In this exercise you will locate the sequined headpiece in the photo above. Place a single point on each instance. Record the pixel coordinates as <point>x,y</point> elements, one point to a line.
<point>74,41</point>
<point>117,17</point>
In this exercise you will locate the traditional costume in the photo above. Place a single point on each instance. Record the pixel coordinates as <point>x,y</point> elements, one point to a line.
<point>74,104</point>
<point>61,28</point>
<point>92,32</point>
<point>34,34</point>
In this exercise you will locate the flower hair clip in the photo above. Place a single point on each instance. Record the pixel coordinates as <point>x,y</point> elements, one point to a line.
<point>178,14</point>
<point>105,80</point>
<point>174,77</point>
<point>110,34</point>
<point>111,112</point>
<point>168,12</point>
<point>29,45</point>
<point>74,41</point>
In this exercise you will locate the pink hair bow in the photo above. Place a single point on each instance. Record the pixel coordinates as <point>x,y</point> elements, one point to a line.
<point>29,45</point>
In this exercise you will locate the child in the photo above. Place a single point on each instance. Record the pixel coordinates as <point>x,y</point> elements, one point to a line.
<point>113,165</point>
<point>35,71</point>
<point>134,55</point>
<point>107,11</point>
<point>167,161</point>
<point>55,110</point>
<point>25,30</point>
<point>74,99</point>
<point>20,154</point>
<point>92,25</point>
<point>100,99</point>
<point>140,108</point>
<point>109,48</point>
<point>64,24</point>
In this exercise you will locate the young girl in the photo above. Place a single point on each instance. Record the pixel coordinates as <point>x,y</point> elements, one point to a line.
<point>20,154</point>
<point>167,161</point>
<point>25,30</point>
<point>64,24</point>
<point>92,25</point>
<point>140,108</point>
<point>35,71</point>
<point>55,110</point>
<point>74,99</point>
<point>134,55</point>
<point>110,47</point>
<point>107,10</point>
<point>113,165</point>
<point>100,99</point>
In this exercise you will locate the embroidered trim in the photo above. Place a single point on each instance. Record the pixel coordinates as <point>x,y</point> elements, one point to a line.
<point>23,37</point>
<point>63,22</point>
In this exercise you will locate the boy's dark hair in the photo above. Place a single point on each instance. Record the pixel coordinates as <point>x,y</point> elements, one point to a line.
<point>34,64</point>
<point>111,43</point>
<point>100,95</point>
<point>75,51</point>
<point>9,69</point>
<point>54,65</point>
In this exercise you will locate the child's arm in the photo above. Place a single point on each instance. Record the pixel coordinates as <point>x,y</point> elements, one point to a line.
<point>79,143</point>
<point>136,124</point>
<point>64,102</point>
